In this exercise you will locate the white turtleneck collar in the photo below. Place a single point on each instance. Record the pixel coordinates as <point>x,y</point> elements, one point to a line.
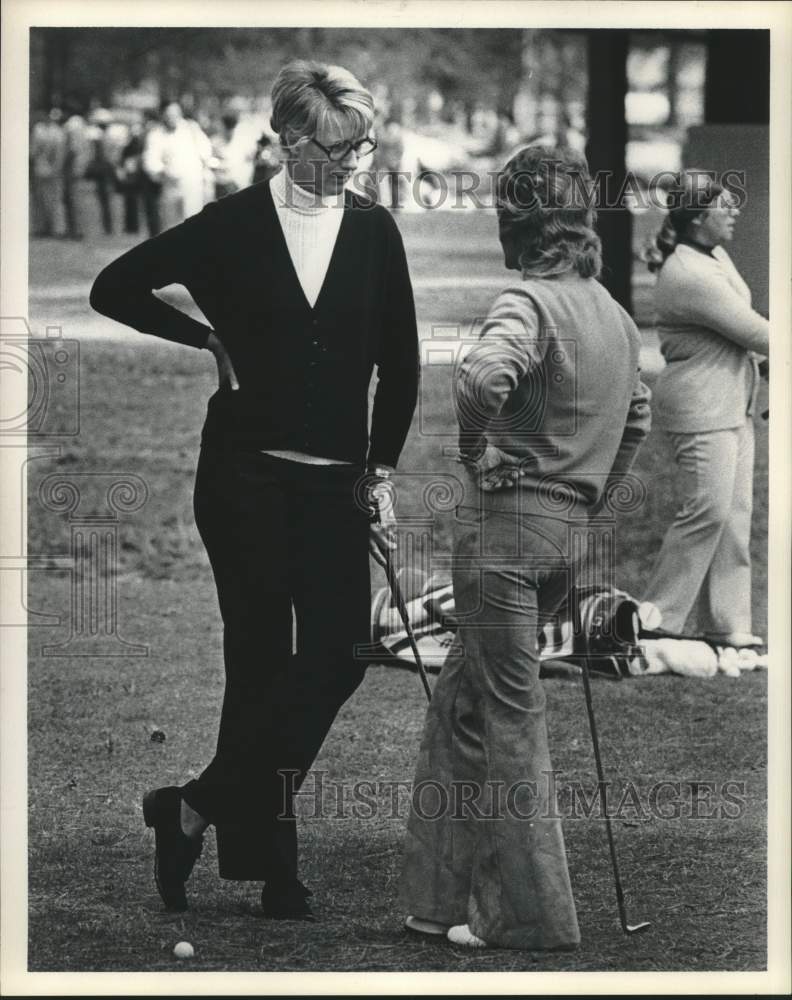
<point>287,194</point>
<point>310,227</point>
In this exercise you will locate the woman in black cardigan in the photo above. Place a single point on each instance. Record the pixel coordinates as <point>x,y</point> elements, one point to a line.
<point>306,289</point>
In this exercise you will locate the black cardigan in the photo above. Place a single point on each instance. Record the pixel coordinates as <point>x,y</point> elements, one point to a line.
<point>303,372</point>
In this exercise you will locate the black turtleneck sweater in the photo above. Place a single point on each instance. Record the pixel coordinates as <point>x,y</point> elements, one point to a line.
<point>303,372</point>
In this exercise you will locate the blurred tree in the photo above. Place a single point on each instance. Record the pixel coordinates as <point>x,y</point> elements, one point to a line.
<point>554,83</point>
<point>476,66</point>
<point>472,66</point>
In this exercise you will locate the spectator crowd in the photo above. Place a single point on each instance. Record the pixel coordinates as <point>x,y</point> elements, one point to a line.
<point>146,171</point>
<point>161,166</point>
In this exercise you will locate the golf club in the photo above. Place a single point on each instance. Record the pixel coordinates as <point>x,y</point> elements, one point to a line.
<point>398,599</point>
<point>713,643</point>
<point>626,927</point>
<point>401,607</point>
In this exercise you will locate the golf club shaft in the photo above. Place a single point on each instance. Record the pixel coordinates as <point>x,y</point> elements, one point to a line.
<point>401,607</point>
<point>398,597</point>
<point>604,796</point>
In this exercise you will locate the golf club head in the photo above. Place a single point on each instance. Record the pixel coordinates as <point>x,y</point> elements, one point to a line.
<point>636,928</point>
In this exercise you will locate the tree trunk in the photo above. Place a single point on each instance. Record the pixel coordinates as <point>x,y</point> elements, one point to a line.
<point>737,88</point>
<point>56,65</point>
<point>607,139</point>
<point>509,70</point>
<point>671,81</point>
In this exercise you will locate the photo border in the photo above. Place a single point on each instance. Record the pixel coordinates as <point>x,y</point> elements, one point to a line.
<point>17,17</point>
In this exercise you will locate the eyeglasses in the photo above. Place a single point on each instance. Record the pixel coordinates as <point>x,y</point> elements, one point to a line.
<point>340,150</point>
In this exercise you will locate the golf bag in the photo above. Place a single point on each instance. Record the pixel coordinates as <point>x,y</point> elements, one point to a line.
<point>602,624</point>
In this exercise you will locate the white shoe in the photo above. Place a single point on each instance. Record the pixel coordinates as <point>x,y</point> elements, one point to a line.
<point>421,926</point>
<point>462,934</point>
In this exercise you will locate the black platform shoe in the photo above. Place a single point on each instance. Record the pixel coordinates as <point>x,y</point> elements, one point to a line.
<point>175,853</point>
<point>287,903</point>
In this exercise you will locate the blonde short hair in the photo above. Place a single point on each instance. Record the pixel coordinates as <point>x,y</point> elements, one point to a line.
<point>306,94</point>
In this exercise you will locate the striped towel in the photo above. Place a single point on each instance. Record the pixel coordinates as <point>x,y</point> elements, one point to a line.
<point>610,626</point>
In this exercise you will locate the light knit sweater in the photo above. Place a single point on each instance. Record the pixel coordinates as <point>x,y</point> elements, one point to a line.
<point>554,381</point>
<point>310,227</point>
<point>707,331</point>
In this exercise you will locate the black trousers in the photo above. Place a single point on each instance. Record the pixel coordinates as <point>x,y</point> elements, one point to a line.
<point>280,535</point>
<point>71,206</point>
<point>132,210</point>
<point>104,192</point>
<point>151,193</point>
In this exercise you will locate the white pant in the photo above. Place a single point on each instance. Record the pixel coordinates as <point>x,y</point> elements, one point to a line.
<point>706,551</point>
<point>182,198</point>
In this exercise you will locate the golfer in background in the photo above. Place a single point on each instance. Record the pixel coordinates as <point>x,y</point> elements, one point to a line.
<point>705,398</point>
<point>306,290</point>
<point>551,410</point>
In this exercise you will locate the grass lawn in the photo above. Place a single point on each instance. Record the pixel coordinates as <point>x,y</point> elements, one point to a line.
<point>92,902</point>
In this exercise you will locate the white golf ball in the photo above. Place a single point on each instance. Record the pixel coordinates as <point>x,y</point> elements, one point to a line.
<point>184,950</point>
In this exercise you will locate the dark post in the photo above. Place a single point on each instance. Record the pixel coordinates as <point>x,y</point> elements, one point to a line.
<point>607,140</point>
<point>736,136</point>
<point>738,79</point>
